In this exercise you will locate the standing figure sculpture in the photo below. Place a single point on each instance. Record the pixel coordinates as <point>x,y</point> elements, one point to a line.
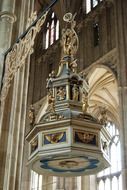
<point>69,37</point>
<point>85,104</point>
<point>31,115</point>
<point>75,93</point>
<point>51,101</point>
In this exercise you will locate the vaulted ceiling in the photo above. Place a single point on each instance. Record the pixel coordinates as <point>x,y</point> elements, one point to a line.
<point>103,93</point>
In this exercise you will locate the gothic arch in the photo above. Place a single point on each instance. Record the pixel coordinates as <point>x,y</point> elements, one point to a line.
<point>103,92</point>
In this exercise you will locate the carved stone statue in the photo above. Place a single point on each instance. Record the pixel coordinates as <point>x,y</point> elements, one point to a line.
<point>103,119</point>
<point>31,115</point>
<point>75,93</point>
<point>34,145</point>
<point>61,93</point>
<point>73,66</point>
<point>85,104</point>
<point>51,101</point>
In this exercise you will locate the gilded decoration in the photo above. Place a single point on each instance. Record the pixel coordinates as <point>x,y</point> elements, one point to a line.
<point>55,138</point>
<point>61,93</point>
<point>85,137</point>
<point>51,101</point>
<point>85,104</point>
<point>68,164</point>
<point>16,58</point>
<point>31,115</point>
<point>69,41</point>
<point>52,117</point>
<point>32,18</point>
<point>73,66</point>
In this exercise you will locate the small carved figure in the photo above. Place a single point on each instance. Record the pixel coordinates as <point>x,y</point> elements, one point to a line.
<point>75,93</point>
<point>73,66</point>
<point>31,115</point>
<point>85,104</point>
<point>86,137</point>
<point>61,93</point>
<point>54,138</point>
<point>34,145</point>
<point>53,74</point>
<point>67,45</point>
<point>103,119</point>
<point>105,146</point>
<point>51,101</point>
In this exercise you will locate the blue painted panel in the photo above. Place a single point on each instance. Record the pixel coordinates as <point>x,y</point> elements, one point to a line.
<point>47,164</point>
<point>49,139</point>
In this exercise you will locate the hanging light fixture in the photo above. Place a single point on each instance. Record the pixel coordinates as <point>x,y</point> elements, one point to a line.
<point>68,140</point>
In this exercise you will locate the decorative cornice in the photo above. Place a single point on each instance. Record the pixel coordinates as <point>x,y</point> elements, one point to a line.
<point>8,16</point>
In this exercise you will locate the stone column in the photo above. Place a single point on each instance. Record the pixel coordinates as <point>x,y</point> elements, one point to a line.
<point>47,182</point>
<point>85,183</point>
<point>70,183</point>
<point>7,18</point>
<point>121,26</point>
<point>12,163</point>
<point>60,184</point>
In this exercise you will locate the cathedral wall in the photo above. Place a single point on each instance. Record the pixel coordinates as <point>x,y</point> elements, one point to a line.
<point>89,52</point>
<point>44,61</point>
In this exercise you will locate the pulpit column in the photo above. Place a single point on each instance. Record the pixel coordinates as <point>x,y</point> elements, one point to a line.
<point>121,39</point>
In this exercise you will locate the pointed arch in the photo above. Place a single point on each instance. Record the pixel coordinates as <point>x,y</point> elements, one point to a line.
<point>103,91</point>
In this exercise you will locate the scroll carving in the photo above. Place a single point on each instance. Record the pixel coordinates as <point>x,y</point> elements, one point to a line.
<point>16,58</point>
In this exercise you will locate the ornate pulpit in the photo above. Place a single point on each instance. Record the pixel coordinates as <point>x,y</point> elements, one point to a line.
<point>68,140</point>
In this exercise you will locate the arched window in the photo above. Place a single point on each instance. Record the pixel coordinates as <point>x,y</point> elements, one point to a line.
<point>52,30</point>
<point>36,181</point>
<point>90,4</point>
<point>47,37</point>
<point>110,178</point>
